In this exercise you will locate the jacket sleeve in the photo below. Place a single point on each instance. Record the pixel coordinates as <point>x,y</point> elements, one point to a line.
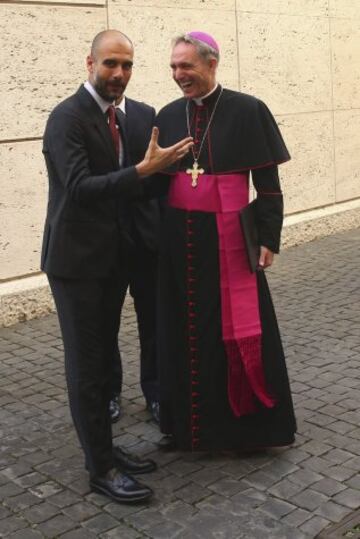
<point>67,158</point>
<point>269,206</point>
<point>156,186</point>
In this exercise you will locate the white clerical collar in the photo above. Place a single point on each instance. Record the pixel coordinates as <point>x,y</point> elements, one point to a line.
<point>199,100</point>
<point>104,105</point>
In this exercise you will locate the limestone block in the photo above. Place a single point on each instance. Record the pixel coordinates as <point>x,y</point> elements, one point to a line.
<point>308,179</point>
<point>345,8</point>
<point>318,224</point>
<point>72,2</point>
<point>188,4</point>
<point>288,7</point>
<point>345,41</point>
<point>285,60</point>
<point>25,299</point>
<point>22,207</point>
<point>42,54</point>
<point>152,31</point>
<point>347,154</point>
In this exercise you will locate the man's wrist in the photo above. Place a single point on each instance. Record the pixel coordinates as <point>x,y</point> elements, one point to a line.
<point>142,169</point>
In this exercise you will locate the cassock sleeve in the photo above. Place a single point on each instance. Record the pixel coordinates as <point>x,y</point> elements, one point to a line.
<point>269,206</point>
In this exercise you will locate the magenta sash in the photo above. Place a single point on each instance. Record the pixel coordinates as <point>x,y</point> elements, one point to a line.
<point>225,195</point>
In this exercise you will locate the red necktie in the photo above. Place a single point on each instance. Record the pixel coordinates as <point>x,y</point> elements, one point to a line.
<point>113,129</point>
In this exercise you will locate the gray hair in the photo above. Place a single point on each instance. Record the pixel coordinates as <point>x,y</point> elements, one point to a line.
<point>203,49</point>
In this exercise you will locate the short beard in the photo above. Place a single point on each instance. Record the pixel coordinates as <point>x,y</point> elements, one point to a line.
<point>100,87</point>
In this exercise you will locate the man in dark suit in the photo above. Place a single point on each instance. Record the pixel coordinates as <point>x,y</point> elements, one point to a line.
<point>137,120</point>
<point>85,250</point>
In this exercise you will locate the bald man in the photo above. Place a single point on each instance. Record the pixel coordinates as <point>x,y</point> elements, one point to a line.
<point>85,250</point>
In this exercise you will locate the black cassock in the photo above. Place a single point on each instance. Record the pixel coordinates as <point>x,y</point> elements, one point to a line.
<point>243,136</point>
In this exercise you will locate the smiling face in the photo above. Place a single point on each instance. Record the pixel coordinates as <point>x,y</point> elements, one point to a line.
<point>110,66</point>
<point>194,75</point>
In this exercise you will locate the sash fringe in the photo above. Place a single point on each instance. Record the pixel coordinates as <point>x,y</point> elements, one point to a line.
<point>240,394</point>
<point>245,376</point>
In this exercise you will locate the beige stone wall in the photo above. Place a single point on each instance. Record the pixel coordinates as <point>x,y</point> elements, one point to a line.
<point>302,57</point>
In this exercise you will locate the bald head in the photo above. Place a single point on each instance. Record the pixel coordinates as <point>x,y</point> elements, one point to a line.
<point>106,37</point>
<point>110,64</point>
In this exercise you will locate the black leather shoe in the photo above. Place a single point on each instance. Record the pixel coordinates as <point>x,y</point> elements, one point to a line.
<point>154,408</point>
<point>114,409</point>
<point>120,487</point>
<point>131,463</point>
<point>167,443</point>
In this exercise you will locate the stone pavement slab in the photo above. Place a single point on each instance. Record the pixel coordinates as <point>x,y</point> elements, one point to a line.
<point>291,493</point>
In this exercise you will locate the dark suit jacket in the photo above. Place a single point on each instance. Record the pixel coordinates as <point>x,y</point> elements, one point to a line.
<point>144,214</point>
<point>87,191</point>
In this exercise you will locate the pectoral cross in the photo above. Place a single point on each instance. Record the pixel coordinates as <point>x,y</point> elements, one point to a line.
<point>195,171</point>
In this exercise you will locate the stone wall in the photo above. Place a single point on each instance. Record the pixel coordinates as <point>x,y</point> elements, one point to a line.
<point>302,57</point>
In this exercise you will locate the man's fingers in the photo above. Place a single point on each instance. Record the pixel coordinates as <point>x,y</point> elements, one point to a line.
<point>184,143</point>
<point>154,137</point>
<point>180,155</point>
<point>183,150</point>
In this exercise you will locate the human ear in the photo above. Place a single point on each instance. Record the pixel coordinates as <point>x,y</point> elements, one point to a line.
<point>89,63</point>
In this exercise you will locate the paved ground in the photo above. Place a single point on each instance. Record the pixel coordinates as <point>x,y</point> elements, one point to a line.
<point>291,493</point>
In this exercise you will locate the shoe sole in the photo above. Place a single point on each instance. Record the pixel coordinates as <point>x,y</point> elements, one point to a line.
<point>151,468</point>
<point>132,472</point>
<point>119,499</point>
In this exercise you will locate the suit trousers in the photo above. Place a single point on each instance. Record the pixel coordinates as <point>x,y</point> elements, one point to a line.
<point>89,316</point>
<point>142,281</point>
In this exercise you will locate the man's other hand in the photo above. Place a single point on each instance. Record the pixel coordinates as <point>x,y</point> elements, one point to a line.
<point>266,257</point>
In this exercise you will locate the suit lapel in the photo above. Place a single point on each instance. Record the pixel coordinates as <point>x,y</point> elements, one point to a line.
<point>98,121</point>
<point>123,128</point>
<point>100,124</point>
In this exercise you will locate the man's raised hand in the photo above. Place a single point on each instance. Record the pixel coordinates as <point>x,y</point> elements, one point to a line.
<point>157,158</point>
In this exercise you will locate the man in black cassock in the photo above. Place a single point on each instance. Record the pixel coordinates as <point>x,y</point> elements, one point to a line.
<point>223,377</point>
